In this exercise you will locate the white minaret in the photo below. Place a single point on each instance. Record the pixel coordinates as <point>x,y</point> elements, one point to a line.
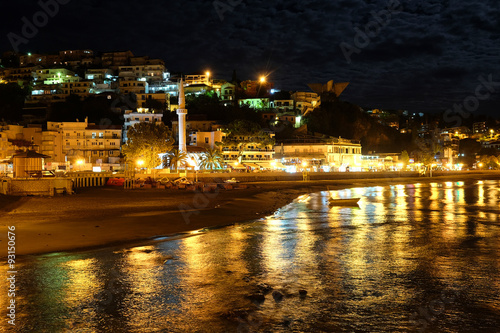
<point>182,112</point>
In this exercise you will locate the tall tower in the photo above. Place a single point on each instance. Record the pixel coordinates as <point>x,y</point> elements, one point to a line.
<point>182,112</point>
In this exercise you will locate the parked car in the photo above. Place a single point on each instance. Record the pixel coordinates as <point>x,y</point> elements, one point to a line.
<point>115,182</point>
<point>183,181</point>
<point>232,181</point>
<point>164,181</point>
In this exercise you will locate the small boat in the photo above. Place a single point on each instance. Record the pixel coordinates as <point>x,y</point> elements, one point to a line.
<point>343,202</point>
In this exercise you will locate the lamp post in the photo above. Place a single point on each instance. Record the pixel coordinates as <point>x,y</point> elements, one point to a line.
<point>192,163</point>
<point>139,164</point>
<point>80,164</point>
<point>305,174</point>
<point>208,77</point>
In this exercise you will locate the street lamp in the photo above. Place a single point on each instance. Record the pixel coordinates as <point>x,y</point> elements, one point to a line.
<point>262,79</point>
<point>305,175</point>
<point>139,163</point>
<point>192,163</point>
<point>80,163</point>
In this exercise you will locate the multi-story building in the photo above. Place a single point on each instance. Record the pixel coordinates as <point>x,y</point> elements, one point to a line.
<point>333,154</point>
<point>197,79</point>
<point>151,73</point>
<point>91,143</point>
<point>144,60</point>
<point>255,103</point>
<point>479,127</point>
<point>227,93</point>
<point>168,87</point>
<point>72,55</point>
<point>50,93</point>
<point>115,59</point>
<point>39,60</point>
<point>20,75</point>
<point>283,105</point>
<point>206,139</point>
<point>249,155</point>
<point>52,145</point>
<point>54,76</point>
<point>134,86</point>
<point>163,98</point>
<point>141,116</point>
<point>99,75</point>
<point>305,102</point>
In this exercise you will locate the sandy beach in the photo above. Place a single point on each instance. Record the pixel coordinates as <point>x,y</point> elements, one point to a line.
<point>100,217</point>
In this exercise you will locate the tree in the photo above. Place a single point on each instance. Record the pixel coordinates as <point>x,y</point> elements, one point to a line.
<point>405,158</point>
<point>212,159</point>
<point>146,141</point>
<point>469,148</point>
<point>176,157</point>
<point>489,162</point>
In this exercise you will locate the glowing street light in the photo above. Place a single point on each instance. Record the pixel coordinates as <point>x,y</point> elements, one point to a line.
<point>139,163</point>
<point>262,79</point>
<point>207,74</point>
<point>192,163</point>
<point>480,165</point>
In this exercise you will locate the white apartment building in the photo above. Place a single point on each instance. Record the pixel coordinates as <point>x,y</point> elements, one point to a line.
<point>54,76</point>
<point>334,154</point>
<point>305,102</point>
<point>134,86</point>
<point>206,139</point>
<point>141,116</point>
<point>150,73</point>
<point>100,75</point>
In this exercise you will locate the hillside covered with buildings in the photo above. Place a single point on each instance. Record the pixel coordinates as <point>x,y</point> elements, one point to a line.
<point>76,106</point>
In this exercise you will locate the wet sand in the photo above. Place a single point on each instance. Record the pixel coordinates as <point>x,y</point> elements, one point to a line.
<point>99,217</point>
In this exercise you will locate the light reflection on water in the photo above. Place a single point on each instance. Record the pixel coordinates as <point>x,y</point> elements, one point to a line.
<point>365,269</point>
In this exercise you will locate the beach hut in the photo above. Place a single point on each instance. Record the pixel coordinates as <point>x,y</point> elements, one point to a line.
<point>28,164</point>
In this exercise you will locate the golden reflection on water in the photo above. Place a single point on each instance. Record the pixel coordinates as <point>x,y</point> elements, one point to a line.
<point>399,246</point>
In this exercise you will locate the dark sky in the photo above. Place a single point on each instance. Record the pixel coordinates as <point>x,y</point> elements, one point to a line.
<point>427,57</point>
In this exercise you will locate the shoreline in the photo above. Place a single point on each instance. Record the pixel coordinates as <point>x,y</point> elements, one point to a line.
<point>105,217</point>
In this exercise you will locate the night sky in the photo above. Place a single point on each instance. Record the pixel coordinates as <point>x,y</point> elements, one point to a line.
<point>427,56</point>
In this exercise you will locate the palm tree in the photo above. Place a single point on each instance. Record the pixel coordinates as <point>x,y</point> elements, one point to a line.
<point>212,158</point>
<point>177,157</point>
